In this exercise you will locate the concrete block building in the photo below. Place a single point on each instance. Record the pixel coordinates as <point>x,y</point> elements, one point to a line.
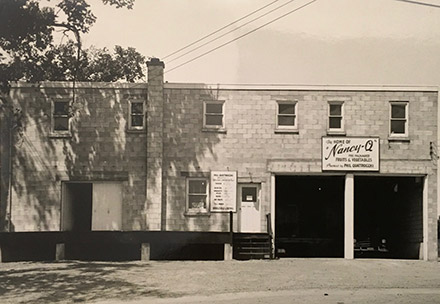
<point>332,171</point>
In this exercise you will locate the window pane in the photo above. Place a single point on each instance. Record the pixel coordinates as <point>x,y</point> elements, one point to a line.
<point>214,108</point>
<point>398,126</point>
<point>286,120</point>
<point>61,108</point>
<point>214,120</point>
<point>137,108</point>
<point>398,111</point>
<point>137,120</point>
<point>286,109</point>
<point>249,194</point>
<point>61,124</point>
<point>197,186</point>
<point>336,109</point>
<point>335,123</point>
<point>197,201</point>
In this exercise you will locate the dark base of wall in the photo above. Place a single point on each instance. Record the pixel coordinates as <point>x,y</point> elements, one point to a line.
<point>112,246</point>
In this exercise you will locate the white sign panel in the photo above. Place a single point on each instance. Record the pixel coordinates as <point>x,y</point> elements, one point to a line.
<point>223,191</point>
<point>350,154</point>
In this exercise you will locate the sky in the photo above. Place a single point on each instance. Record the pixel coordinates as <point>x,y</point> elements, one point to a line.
<point>329,42</point>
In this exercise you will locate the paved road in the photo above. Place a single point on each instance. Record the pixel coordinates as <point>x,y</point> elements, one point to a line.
<point>312,296</point>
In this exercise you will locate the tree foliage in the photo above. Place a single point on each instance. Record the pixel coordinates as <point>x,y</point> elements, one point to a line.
<point>28,51</point>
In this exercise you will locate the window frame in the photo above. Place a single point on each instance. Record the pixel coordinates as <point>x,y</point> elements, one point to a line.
<point>53,116</point>
<point>197,211</point>
<point>340,130</point>
<point>293,127</point>
<point>130,115</point>
<point>406,119</point>
<point>214,127</point>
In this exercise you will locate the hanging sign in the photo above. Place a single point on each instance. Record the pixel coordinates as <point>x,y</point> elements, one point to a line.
<point>223,191</point>
<point>350,154</point>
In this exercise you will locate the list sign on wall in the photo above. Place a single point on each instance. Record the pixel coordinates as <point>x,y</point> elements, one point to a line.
<point>350,154</point>
<point>223,191</point>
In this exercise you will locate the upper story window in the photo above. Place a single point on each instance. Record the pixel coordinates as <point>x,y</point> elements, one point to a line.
<point>197,195</point>
<point>335,116</point>
<point>137,117</point>
<point>287,115</point>
<point>60,116</point>
<point>398,119</point>
<point>213,114</point>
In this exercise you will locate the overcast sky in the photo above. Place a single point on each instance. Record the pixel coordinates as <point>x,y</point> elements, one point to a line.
<point>384,42</point>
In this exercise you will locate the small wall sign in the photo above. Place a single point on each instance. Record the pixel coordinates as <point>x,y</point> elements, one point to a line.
<point>350,154</point>
<point>223,191</point>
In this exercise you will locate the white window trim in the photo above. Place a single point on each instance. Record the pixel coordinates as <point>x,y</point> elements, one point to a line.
<point>130,126</point>
<point>287,128</point>
<point>54,132</point>
<point>194,211</point>
<point>340,130</point>
<point>214,127</point>
<point>399,135</point>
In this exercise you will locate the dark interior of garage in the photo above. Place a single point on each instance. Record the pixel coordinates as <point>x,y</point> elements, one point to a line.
<point>77,207</point>
<point>309,216</point>
<point>388,217</point>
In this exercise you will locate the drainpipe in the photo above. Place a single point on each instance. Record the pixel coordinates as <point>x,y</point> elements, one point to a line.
<point>9,211</point>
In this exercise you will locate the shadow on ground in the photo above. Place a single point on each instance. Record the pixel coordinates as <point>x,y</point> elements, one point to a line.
<point>75,282</point>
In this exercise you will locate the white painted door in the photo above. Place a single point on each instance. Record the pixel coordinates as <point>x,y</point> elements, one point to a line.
<point>250,207</point>
<point>107,206</point>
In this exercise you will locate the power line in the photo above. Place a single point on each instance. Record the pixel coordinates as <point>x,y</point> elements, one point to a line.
<point>420,3</point>
<point>212,40</point>
<point>220,29</point>
<point>239,37</point>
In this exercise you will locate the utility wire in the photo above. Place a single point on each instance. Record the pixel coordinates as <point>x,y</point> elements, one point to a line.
<point>239,37</point>
<point>420,3</point>
<point>220,29</point>
<point>212,40</point>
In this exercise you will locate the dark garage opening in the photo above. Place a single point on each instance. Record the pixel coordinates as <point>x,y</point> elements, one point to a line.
<point>77,207</point>
<point>388,219</point>
<point>309,216</point>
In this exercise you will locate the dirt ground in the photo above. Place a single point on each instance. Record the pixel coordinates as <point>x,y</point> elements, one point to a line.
<point>277,281</point>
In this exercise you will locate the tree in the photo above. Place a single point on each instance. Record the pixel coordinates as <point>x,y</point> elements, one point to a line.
<point>27,47</point>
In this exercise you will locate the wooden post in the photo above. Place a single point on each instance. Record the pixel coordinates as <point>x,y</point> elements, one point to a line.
<point>145,251</point>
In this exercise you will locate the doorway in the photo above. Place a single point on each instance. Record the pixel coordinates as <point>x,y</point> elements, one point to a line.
<point>249,207</point>
<point>93,206</point>
<point>388,217</point>
<point>309,216</point>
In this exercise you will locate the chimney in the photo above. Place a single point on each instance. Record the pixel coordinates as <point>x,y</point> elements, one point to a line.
<point>155,71</point>
<point>155,108</point>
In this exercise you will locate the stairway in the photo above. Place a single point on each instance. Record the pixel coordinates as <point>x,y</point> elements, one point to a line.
<point>247,246</point>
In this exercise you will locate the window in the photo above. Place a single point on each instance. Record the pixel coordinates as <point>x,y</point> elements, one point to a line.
<point>336,116</point>
<point>137,117</point>
<point>398,119</point>
<point>286,115</point>
<point>213,114</point>
<point>60,116</point>
<point>197,195</point>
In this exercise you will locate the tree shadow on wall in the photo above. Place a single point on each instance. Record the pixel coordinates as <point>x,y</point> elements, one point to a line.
<point>78,282</point>
<point>98,149</point>
<point>190,151</point>
<point>101,148</point>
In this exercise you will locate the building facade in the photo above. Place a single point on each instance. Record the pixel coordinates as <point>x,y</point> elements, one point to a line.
<point>329,170</point>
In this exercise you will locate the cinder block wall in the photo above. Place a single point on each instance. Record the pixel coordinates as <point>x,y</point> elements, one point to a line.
<point>100,149</point>
<point>253,148</point>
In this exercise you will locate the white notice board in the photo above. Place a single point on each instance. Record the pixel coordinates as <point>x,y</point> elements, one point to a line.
<point>223,191</point>
<point>350,154</point>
